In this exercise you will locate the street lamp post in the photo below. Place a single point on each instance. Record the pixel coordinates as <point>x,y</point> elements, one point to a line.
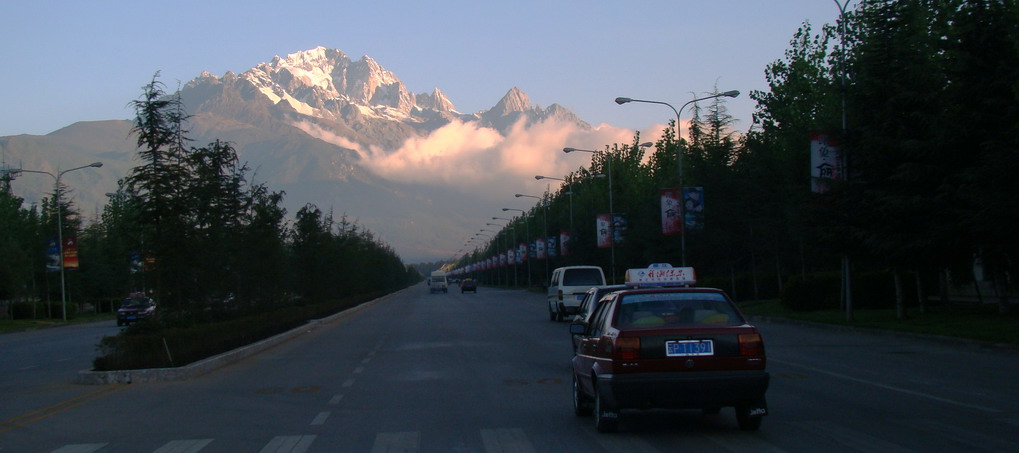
<point>544,228</point>
<point>569,188</point>
<point>507,257</point>
<point>60,226</point>
<point>527,231</point>
<point>482,234</point>
<point>612,218</point>
<point>513,245</point>
<point>679,153</point>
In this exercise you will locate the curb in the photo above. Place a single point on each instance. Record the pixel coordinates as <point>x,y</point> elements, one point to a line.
<point>1005,347</point>
<point>195,369</point>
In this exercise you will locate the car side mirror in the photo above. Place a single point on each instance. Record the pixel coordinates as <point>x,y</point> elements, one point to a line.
<point>578,328</point>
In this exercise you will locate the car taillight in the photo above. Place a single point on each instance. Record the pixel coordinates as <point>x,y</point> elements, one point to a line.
<point>627,348</point>
<point>751,345</point>
<point>560,295</point>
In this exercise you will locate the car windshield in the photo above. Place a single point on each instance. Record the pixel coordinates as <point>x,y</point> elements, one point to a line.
<point>676,309</point>
<point>580,277</point>
<point>135,302</point>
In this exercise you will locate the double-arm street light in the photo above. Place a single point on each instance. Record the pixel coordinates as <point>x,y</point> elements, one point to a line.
<point>679,153</point>
<point>527,230</point>
<point>544,227</point>
<point>60,226</point>
<point>569,188</point>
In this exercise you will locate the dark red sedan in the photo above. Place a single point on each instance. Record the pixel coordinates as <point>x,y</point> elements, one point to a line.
<point>669,348</point>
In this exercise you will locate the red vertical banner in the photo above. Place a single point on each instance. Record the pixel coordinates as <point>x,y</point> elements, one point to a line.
<point>70,252</point>
<point>603,225</point>
<point>564,242</point>
<point>672,223</point>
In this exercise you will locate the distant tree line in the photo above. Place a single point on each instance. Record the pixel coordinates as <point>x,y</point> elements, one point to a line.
<point>190,228</point>
<point>927,91</point>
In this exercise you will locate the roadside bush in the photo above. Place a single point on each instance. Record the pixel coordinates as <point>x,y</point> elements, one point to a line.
<point>151,345</point>
<point>821,291</point>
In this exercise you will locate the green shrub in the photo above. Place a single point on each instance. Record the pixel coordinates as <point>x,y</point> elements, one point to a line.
<point>145,344</point>
<point>818,291</point>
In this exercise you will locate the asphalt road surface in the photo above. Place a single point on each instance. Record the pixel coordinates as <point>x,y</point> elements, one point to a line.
<point>487,372</point>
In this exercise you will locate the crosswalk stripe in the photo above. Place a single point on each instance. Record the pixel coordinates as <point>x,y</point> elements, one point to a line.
<point>288,444</point>
<point>320,418</point>
<point>79,448</point>
<point>405,442</point>
<point>506,440</point>
<point>184,446</point>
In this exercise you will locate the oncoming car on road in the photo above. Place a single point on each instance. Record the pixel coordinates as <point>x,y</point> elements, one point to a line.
<point>134,308</point>
<point>668,348</point>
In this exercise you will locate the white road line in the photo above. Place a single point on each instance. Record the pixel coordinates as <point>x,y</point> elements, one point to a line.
<point>405,442</point>
<point>288,444</point>
<point>348,382</point>
<point>359,370</point>
<point>320,419</point>
<point>335,400</point>
<point>506,440</point>
<point>889,387</point>
<point>79,448</point>
<point>366,360</point>
<point>184,446</point>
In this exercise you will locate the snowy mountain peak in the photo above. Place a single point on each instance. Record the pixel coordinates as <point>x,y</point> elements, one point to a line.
<point>514,101</point>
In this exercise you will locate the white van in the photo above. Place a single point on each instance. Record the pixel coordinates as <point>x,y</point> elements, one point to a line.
<point>437,282</point>
<point>567,289</point>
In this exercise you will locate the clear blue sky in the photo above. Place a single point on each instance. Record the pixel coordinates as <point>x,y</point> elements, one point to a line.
<point>68,61</point>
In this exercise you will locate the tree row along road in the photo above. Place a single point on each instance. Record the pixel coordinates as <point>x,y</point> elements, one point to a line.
<point>488,372</point>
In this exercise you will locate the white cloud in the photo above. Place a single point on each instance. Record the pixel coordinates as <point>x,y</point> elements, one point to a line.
<point>480,160</point>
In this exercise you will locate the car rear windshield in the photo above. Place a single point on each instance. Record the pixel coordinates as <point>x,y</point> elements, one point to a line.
<point>676,309</point>
<point>581,277</point>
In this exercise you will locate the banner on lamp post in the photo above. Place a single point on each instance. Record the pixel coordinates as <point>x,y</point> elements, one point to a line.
<point>70,252</point>
<point>564,242</point>
<point>693,208</point>
<point>522,253</point>
<point>52,255</point>
<point>825,162</point>
<point>539,246</point>
<point>553,248</point>
<point>603,225</point>
<point>671,222</point>
<point>619,226</point>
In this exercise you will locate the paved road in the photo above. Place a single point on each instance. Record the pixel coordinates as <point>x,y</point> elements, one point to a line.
<point>488,372</point>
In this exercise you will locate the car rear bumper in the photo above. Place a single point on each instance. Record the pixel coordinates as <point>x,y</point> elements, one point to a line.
<point>691,390</point>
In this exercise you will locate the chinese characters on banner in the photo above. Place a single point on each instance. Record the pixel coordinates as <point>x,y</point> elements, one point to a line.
<point>553,248</point>
<point>825,162</point>
<point>603,225</point>
<point>671,223</point>
<point>619,226</point>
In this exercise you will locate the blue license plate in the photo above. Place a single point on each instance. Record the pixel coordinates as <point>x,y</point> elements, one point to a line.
<point>686,348</point>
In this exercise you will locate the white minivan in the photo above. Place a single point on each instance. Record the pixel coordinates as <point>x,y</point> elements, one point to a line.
<point>567,289</point>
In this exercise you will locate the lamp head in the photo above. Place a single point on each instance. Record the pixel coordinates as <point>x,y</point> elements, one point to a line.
<point>96,164</point>
<point>622,101</point>
<point>569,150</point>
<point>518,195</point>
<point>539,177</point>
<point>646,145</point>
<point>731,93</point>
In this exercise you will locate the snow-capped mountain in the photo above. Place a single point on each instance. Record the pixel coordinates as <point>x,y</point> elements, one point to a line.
<point>306,124</point>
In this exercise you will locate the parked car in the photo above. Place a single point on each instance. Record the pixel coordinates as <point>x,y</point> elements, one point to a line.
<point>567,288</point>
<point>668,348</point>
<point>468,284</point>
<point>136,307</point>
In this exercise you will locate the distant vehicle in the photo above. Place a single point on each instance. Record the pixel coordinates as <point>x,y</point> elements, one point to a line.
<point>437,282</point>
<point>668,348</point>
<point>136,307</point>
<point>567,288</point>
<point>468,284</point>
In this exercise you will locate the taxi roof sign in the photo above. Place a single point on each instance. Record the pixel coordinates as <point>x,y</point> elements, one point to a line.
<point>661,274</point>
